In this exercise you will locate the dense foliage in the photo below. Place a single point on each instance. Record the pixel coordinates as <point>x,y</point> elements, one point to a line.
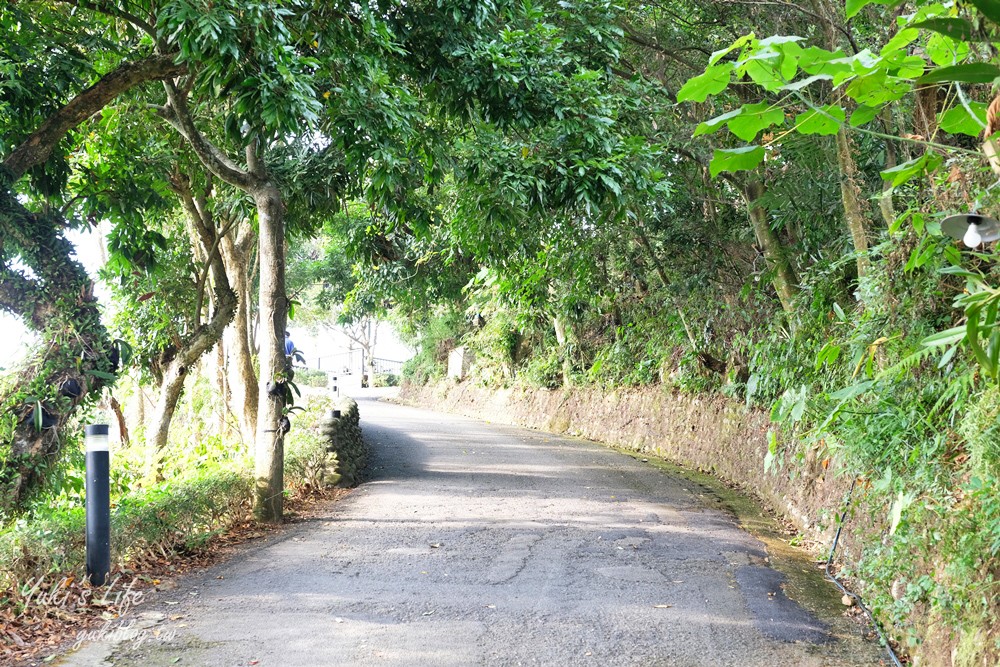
<point>742,198</point>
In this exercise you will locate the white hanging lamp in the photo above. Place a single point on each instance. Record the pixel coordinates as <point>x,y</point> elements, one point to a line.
<point>972,228</point>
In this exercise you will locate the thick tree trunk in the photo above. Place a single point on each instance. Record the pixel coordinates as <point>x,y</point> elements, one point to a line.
<point>273,308</point>
<point>783,276</point>
<point>76,354</point>
<point>269,453</point>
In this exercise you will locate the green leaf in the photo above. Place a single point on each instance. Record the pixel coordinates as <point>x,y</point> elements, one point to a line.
<point>908,170</point>
<point>847,393</point>
<point>903,500</point>
<point>765,74</point>
<point>715,124</point>
<point>815,60</point>
<point>944,51</point>
<point>735,159</point>
<point>37,414</point>
<point>823,121</point>
<point>101,374</point>
<point>863,115</point>
<point>799,85</point>
<point>852,7</point>
<point>712,82</point>
<point>988,8</point>
<point>957,120</point>
<point>946,337</point>
<point>967,73</point>
<point>739,43</point>
<point>956,28</point>
<point>754,118</point>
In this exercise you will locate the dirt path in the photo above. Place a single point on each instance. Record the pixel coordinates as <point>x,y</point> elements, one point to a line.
<point>477,544</point>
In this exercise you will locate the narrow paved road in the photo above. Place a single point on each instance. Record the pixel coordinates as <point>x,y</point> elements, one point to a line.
<point>474,544</point>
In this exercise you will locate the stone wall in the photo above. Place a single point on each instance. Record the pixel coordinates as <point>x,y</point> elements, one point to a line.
<point>343,434</point>
<point>716,435</point>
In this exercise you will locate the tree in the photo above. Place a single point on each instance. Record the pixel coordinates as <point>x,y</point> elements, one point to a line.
<point>40,281</point>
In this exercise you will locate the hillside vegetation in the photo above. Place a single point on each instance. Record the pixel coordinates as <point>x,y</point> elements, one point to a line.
<point>732,197</point>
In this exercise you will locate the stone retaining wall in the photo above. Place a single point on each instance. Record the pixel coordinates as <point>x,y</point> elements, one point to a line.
<point>344,436</point>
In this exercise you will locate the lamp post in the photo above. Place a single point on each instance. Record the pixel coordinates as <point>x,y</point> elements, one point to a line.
<point>98,472</point>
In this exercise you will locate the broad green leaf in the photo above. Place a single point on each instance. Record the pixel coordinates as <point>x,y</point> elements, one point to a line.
<point>957,120</point>
<point>765,74</point>
<point>815,60</point>
<point>37,414</point>
<point>852,7</point>
<point>712,82</point>
<point>899,41</point>
<point>988,8</point>
<point>739,43</point>
<point>799,85</point>
<point>967,73</point>
<point>863,115</point>
<point>877,88</point>
<point>908,68</point>
<point>823,120</point>
<point>945,51</point>
<point>735,159</point>
<point>754,118</point>
<point>956,28</point>
<point>715,124</point>
<point>775,40</point>
<point>946,337</point>
<point>908,170</point>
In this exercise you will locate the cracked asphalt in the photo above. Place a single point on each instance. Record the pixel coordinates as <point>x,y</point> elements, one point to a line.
<point>477,544</point>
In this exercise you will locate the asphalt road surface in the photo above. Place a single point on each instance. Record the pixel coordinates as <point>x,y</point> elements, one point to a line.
<point>477,544</point>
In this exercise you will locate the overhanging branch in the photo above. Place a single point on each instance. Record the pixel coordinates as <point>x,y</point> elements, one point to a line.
<point>37,148</point>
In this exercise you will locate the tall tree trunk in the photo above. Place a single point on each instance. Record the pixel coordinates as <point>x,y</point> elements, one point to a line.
<point>563,339</point>
<point>783,276</point>
<point>850,191</point>
<point>851,196</point>
<point>885,201</point>
<point>238,340</point>
<point>206,336</point>
<point>269,452</point>
<point>273,306</point>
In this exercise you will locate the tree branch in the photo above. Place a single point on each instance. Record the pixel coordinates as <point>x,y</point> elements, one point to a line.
<point>37,148</point>
<point>217,162</point>
<point>110,10</point>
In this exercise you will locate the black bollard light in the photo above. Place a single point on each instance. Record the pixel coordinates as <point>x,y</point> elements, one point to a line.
<point>98,504</point>
<point>336,414</point>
